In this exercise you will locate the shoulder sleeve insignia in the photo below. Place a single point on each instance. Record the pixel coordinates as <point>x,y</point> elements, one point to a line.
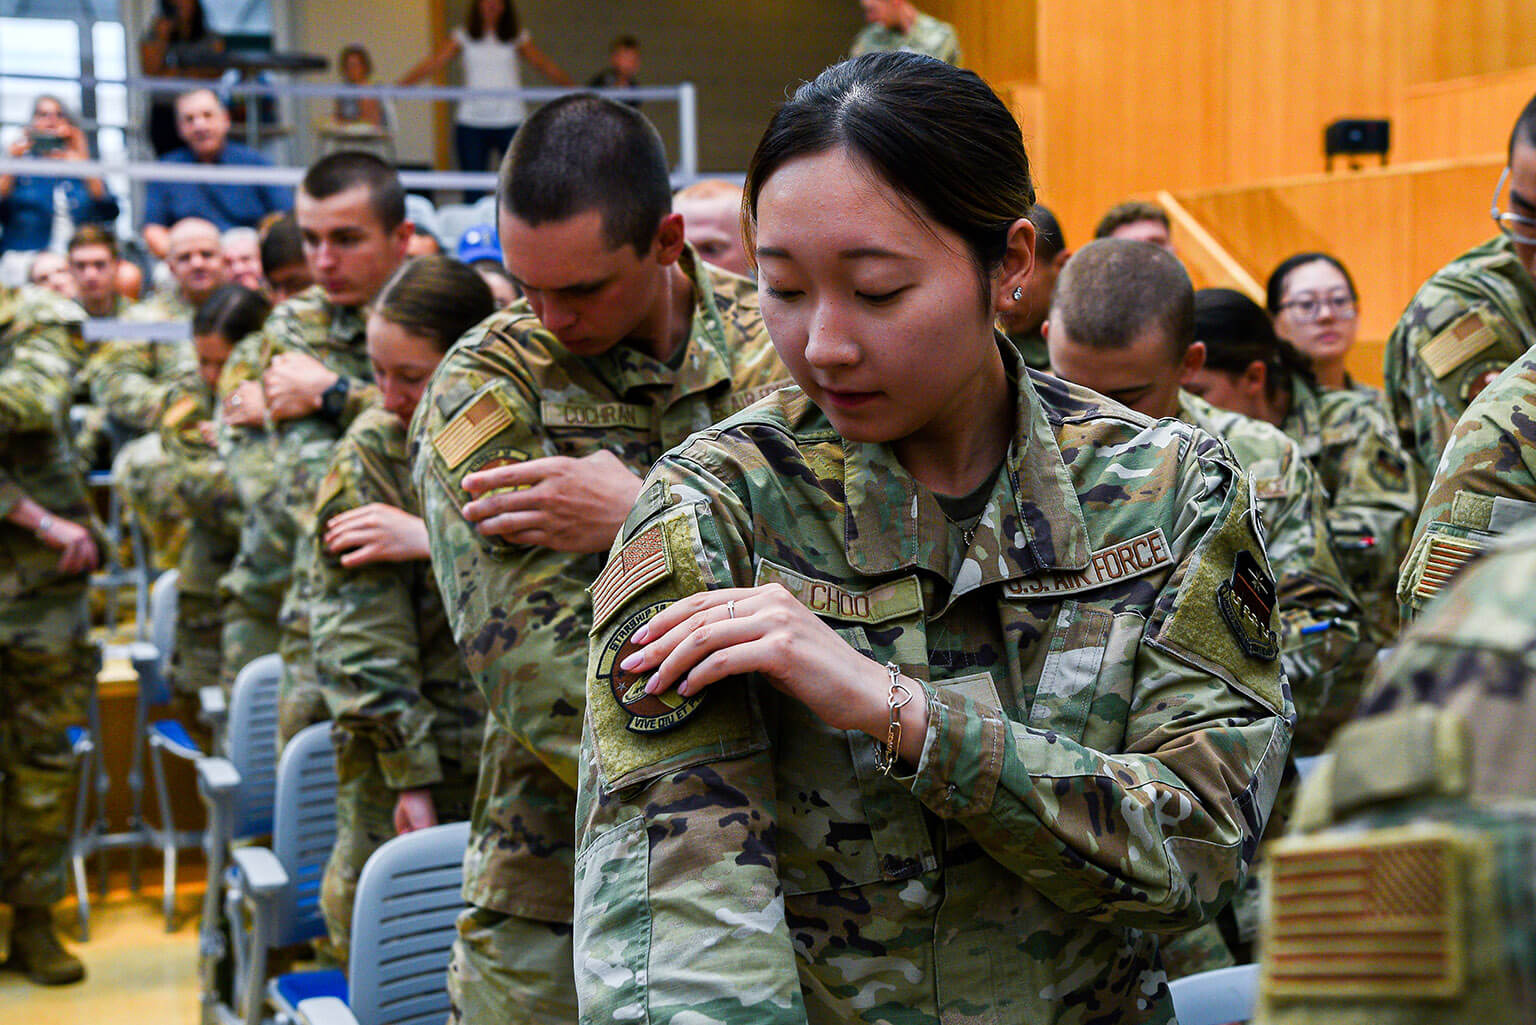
<point>471,428</point>
<point>1246,600</point>
<point>648,713</point>
<point>177,411</point>
<point>639,564</point>
<point>1463,338</point>
<point>1444,557</point>
<point>489,459</point>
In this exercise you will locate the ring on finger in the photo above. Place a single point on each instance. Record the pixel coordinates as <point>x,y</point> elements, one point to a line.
<point>234,401</point>
<point>730,609</point>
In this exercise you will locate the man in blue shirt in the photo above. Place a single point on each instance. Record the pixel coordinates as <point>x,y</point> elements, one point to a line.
<point>204,126</point>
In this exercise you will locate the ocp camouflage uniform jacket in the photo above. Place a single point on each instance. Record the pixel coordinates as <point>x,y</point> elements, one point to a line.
<point>394,681</point>
<point>1426,810</point>
<point>1484,486</point>
<point>1326,650</point>
<point>131,379</point>
<point>1369,482</point>
<point>40,354</point>
<point>203,488</point>
<point>928,35</point>
<point>508,392</point>
<point>277,468</point>
<point>1101,755</point>
<point>1469,321</point>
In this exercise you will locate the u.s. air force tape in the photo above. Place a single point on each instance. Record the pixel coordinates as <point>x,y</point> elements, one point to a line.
<point>648,713</point>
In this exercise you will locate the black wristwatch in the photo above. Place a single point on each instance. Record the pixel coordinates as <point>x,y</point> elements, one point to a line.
<point>333,401</point>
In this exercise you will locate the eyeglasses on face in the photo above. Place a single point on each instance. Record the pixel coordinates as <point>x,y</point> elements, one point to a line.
<point>1515,227</point>
<point>1309,307</point>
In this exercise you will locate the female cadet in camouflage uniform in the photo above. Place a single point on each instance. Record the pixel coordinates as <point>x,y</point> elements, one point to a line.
<point>408,717</point>
<point>1344,433</point>
<point>930,690</point>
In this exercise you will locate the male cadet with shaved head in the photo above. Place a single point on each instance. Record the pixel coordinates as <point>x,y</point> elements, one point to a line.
<point>531,443</point>
<point>286,395</point>
<point>1122,323</point>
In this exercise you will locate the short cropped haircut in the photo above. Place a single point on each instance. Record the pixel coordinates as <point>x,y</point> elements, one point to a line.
<point>348,169</point>
<point>585,152</point>
<point>1049,241</point>
<point>282,244</point>
<point>1114,290</point>
<point>1524,130</point>
<point>1129,213</point>
<point>93,235</point>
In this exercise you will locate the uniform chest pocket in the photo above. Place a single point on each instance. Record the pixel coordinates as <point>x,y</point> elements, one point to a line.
<point>841,822</point>
<point>1084,690</point>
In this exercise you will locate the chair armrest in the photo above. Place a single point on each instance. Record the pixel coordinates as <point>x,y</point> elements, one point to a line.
<point>325,1011</point>
<point>213,707</point>
<point>262,875</point>
<point>217,776</point>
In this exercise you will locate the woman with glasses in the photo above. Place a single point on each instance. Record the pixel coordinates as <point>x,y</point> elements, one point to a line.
<point>1344,433</point>
<point>1312,300</point>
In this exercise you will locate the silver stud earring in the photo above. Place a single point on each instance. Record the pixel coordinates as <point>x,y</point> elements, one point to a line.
<point>1018,293</point>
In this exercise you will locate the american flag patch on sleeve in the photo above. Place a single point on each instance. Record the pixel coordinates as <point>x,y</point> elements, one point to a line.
<point>636,566</point>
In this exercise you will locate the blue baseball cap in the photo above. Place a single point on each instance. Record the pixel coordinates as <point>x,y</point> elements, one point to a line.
<point>479,243</point>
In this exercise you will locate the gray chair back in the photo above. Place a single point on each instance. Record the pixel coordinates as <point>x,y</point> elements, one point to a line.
<point>252,739</point>
<point>408,898</point>
<point>303,830</point>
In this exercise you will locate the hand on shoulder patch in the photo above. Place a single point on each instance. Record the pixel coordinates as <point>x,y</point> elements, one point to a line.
<point>490,459</point>
<point>648,713</point>
<point>1246,600</point>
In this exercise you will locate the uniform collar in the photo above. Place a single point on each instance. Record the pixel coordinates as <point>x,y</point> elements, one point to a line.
<point>703,362</point>
<point>1033,521</point>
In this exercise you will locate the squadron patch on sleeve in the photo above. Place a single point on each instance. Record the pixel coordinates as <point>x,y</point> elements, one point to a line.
<point>177,411</point>
<point>1246,600</point>
<point>476,424</point>
<point>490,460</point>
<point>648,713</point>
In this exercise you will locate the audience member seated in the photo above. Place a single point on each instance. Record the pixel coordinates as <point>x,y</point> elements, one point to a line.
<point>1143,222</point>
<point>93,261</point>
<point>204,126</point>
<point>1345,434</point>
<point>51,271</point>
<point>282,258</point>
<point>1022,313</point>
<point>408,718</point>
<point>27,201</point>
<point>711,212</point>
<point>1313,302</point>
<point>623,68</point>
<point>897,25</point>
<point>480,248</point>
<point>177,45</point>
<point>242,257</point>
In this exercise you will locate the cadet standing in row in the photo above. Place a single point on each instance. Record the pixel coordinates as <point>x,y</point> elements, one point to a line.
<point>1345,435</point>
<point>287,394</point>
<point>1420,829</point>
<point>530,443</point>
<point>46,659</point>
<point>934,689</point>
<point>1122,324</point>
<point>408,720</point>
<point>1471,319</point>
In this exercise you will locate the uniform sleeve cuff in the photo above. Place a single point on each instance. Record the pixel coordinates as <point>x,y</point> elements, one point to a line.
<point>11,495</point>
<point>962,757</point>
<point>410,768</point>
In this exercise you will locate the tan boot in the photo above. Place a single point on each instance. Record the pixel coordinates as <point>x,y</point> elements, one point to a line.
<point>36,950</point>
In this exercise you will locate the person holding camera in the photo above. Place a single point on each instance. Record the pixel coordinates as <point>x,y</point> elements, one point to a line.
<point>27,201</point>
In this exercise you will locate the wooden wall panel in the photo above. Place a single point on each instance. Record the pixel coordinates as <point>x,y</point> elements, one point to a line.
<point>1468,37</point>
<point>1141,97</point>
<point>997,39</point>
<point>1463,117</point>
<point>1392,228</point>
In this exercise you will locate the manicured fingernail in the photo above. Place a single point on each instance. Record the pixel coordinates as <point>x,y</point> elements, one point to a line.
<point>684,688</point>
<point>653,685</point>
<point>642,635</point>
<point>630,661</point>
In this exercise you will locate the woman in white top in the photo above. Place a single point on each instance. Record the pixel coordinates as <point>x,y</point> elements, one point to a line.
<point>491,42</point>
